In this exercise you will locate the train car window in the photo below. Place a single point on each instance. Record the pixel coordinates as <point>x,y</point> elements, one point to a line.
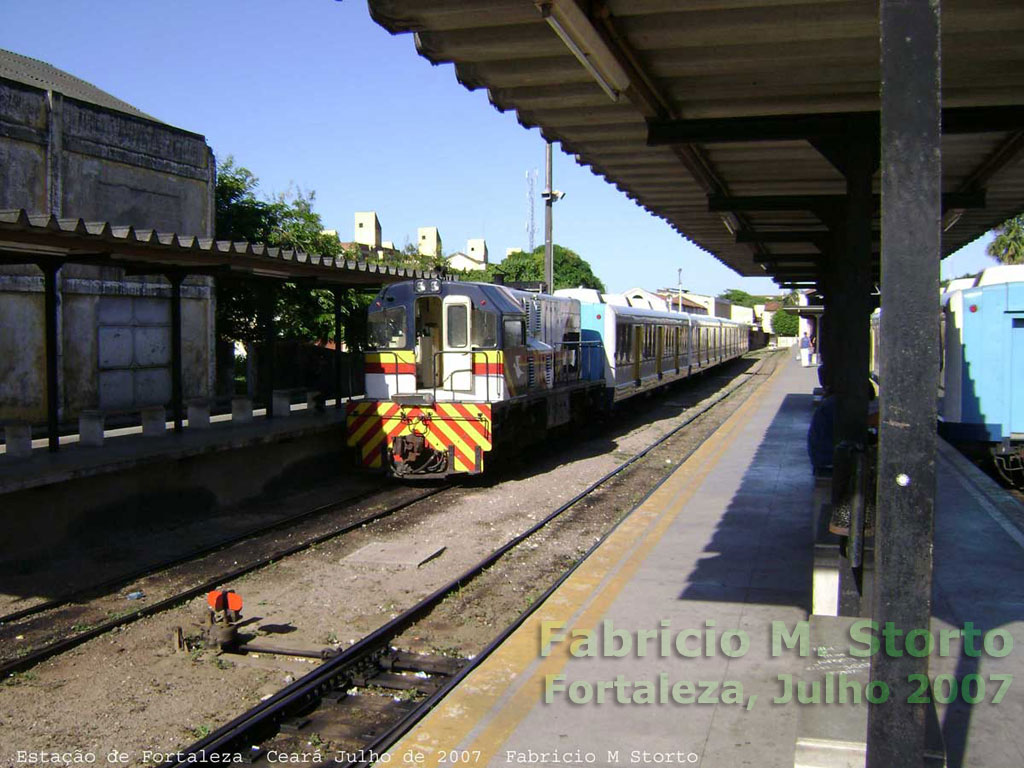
<point>458,330</point>
<point>515,333</point>
<point>623,344</point>
<point>387,328</point>
<point>484,329</point>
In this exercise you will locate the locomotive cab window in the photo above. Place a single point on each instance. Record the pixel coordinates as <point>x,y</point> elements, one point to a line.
<point>458,326</point>
<point>387,328</point>
<point>484,327</point>
<point>514,333</point>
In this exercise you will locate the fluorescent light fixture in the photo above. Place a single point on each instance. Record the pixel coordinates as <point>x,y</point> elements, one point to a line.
<point>583,41</point>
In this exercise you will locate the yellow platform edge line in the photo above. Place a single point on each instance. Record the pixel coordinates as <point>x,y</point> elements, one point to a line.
<point>491,702</point>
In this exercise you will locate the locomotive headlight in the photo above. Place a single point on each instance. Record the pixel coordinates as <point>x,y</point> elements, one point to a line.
<point>427,286</point>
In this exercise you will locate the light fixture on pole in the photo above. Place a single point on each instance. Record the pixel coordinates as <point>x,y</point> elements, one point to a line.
<point>583,40</point>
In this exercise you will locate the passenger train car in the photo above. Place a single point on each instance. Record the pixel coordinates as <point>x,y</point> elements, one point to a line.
<point>981,397</point>
<point>983,365</point>
<point>456,368</point>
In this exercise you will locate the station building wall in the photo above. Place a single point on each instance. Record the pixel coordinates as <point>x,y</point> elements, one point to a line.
<point>75,159</point>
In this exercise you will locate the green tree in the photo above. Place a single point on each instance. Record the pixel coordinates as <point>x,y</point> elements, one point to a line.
<point>785,323</point>
<point>571,270</point>
<point>1008,245</point>
<point>744,299</point>
<point>288,221</point>
<point>411,258</point>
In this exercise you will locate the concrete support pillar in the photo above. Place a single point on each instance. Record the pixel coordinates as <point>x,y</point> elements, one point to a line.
<point>52,309</point>
<point>282,402</point>
<point>90,428</point>
<point>18,439</point>
<point>241,410</point>
<point>154,421</point>
<point>175,279</point>
<point>909,372</point>
<point>199,413</point>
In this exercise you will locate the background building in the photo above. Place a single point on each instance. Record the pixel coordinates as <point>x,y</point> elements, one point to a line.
<point>71,150</point>
<point>429,242</point>
<point>475,257</point>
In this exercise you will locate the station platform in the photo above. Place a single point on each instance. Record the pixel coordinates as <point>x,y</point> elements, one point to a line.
<point>721,556</point>
<point>127,447</point>
<point>53,504</point>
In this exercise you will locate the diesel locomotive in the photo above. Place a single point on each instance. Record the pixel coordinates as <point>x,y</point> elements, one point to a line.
<point>456,368</point>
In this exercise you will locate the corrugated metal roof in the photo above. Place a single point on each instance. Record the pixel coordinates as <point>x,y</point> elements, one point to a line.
<point>730,59</point>
<point>27,238</point>
<point>39,74</point>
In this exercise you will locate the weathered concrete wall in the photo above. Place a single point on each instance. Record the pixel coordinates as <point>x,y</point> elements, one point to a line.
<point>23,143</point>
<point>77,160</point>
<point>22,357</point>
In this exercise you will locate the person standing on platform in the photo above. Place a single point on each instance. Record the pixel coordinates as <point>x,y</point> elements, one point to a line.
<point>805,351</point>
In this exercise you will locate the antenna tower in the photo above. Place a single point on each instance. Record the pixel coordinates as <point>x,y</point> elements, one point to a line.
<point>531,194</point>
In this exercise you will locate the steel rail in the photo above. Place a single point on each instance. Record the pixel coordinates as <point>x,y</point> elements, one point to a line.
<point>35,657</point>
<point>99,588</point>
<point>240,734</point>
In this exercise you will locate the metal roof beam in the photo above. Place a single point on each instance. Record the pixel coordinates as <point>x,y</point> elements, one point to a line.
<point>813,127</point>
<point>768,203</point>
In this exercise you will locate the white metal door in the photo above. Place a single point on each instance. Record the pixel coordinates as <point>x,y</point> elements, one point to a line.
<point>457,356</point>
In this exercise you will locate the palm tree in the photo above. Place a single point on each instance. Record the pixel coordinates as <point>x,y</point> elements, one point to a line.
<point>1008,246</point>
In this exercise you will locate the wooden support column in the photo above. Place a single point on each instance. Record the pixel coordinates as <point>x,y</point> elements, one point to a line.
<point>175,279</point>
<point>852,336</point>
<point>51,309</point>
<point>268,310</point>
<point>337,347</point>
<point>909,375</point>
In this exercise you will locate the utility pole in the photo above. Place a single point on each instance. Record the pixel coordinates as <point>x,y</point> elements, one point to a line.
<point>550,197</point>
<point>679,288</point>
<point>531,190</point>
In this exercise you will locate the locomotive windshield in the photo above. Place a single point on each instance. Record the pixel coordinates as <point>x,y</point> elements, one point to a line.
<point>387,328</point>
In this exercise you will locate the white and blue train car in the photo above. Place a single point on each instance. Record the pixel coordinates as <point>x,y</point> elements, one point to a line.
<point>983,365</point>
<point>645,348</point>
<point>983,397</point>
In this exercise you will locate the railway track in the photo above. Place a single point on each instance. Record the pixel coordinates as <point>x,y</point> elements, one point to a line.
<point>16,621</point>
<point>352,707</point>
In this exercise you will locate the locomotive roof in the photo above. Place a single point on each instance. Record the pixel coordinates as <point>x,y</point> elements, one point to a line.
<point>496,297</point>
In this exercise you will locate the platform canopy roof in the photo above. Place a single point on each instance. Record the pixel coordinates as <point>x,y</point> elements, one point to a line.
<point>718,115</point>
<point>47,240</point>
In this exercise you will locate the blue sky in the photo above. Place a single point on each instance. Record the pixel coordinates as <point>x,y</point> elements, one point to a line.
<point>313,94</point>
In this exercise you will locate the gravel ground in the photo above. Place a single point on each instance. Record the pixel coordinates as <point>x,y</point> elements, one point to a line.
<point>130,691</point>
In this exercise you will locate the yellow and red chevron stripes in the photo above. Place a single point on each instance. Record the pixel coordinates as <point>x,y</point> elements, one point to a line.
<point>398,361</point>
<point>375,424</point>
